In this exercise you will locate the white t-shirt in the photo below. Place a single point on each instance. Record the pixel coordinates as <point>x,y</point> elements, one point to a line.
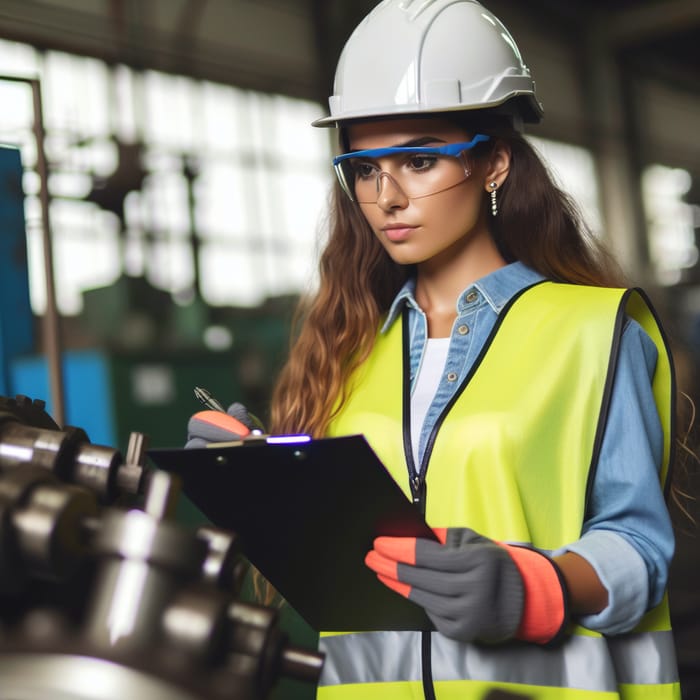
<point>429,373</point>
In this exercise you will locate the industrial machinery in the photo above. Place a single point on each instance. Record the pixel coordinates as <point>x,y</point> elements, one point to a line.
<point>104,595</point>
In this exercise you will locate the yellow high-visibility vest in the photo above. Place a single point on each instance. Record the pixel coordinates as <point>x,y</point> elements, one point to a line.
<point>513,458</point>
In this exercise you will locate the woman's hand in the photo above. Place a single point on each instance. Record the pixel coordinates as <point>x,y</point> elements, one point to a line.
<point>474,589</point>
<point>205,427</point>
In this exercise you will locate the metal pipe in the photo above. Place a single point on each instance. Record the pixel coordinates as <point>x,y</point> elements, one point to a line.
<point>51,336</point>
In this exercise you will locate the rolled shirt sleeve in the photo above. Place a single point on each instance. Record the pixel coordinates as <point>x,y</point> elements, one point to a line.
<point>627,536</point>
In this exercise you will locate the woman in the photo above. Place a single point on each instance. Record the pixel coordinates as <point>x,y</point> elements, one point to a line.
<point>468,326</point>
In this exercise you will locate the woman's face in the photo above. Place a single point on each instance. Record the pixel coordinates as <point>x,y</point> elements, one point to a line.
<point>430,228</point>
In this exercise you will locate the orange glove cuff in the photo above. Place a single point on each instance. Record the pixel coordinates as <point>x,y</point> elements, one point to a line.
<point>545,610</point>
<point>217,419</point>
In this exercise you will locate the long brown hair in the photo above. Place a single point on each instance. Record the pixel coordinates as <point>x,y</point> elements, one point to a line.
<point>537,224</point>
<point>358,281</point>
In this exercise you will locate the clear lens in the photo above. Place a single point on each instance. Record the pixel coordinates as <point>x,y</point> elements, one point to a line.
<point>416,174</point>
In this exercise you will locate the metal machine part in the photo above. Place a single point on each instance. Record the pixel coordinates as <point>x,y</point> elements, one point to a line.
<point>104,599</point>
<point>29,437</point>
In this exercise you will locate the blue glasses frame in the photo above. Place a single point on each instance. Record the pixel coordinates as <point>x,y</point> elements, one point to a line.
<point>449,149</point>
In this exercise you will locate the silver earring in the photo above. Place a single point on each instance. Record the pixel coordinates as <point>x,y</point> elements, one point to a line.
<point>494,203</point>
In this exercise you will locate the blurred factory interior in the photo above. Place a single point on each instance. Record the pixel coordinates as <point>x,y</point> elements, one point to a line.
<point>185,187</point>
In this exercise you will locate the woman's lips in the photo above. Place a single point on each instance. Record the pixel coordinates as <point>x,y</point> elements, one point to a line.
<point>398,232</point>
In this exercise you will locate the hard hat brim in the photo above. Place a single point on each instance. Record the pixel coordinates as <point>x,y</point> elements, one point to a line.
<point>522,105</point>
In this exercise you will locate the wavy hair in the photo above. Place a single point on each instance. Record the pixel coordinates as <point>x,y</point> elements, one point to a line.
<point>537,223</point>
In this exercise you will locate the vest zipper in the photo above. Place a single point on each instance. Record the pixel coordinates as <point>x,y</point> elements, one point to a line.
<point>416,479</point>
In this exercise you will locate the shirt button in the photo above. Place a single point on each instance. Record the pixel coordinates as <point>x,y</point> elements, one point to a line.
<point>472,296</point>
<point>452,377</point>
<point>463,329</point>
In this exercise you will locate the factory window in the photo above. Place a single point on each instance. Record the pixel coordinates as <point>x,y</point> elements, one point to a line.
<point>145,164</point>
<point>196,186</point>
<point>573,169</point>
<point>671,222</point>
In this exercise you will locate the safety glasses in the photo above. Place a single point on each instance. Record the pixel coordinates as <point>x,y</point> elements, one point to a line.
<point>419,171</point>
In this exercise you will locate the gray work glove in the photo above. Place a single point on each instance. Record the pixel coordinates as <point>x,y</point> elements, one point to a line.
<point>209,426</point>
<point>474,589</point>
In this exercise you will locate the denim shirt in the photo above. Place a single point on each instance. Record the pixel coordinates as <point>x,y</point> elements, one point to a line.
<point>627,536</point>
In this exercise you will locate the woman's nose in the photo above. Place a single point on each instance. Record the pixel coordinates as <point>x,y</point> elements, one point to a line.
<point>389,193</point>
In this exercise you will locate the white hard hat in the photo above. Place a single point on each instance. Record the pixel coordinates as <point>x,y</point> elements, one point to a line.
<point>425,56</point>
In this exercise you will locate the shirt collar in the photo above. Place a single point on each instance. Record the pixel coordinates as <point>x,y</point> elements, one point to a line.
<point>501,285</point>
<point>497,288</point>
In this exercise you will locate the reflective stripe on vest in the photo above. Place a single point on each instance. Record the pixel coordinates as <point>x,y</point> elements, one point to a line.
<point>533,409</point>
<point>607,662</point>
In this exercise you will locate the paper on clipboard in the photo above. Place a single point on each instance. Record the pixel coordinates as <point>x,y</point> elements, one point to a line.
<point>307,513</point>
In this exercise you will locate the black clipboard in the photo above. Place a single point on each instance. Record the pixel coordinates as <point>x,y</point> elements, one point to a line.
<point>307,513</point>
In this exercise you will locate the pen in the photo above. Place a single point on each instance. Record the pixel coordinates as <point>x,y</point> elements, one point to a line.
<point>207,399</point>
<point>236,410</point>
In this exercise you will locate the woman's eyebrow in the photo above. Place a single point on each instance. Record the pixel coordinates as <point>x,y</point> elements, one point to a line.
<point>420,141</point>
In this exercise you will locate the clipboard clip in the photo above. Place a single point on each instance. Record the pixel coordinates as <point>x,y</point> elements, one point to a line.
<point>257,439</point>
